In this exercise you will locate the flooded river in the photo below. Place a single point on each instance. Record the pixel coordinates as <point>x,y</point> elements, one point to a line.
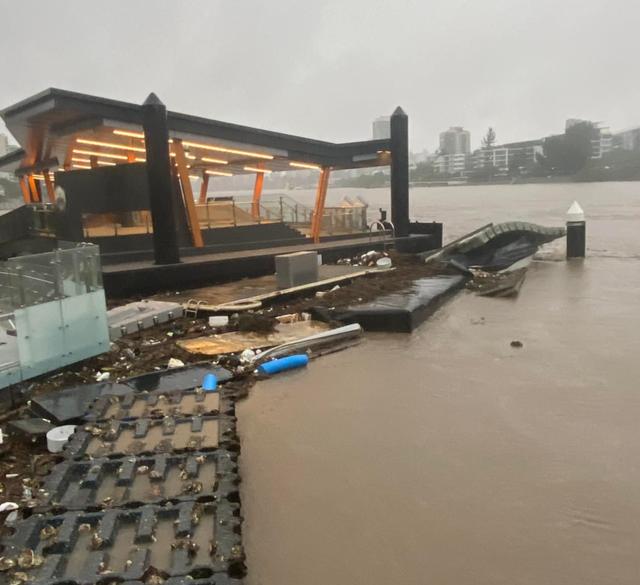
<point>449,457</point>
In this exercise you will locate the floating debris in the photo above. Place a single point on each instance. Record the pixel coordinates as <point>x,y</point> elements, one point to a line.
<point>28,559</point>
<point>48,532</point>
<point>6,564</point>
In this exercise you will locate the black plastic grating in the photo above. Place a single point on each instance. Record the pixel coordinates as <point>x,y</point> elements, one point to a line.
<point>151,436</point>
<point>193,539</point>
<point>148,479</point>
<point>182,403</point>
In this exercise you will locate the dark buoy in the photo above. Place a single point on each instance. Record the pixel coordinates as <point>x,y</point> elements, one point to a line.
<point>576,232</point>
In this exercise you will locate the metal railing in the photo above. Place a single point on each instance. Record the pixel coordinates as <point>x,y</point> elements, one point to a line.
<point>384,230</point>
<point>233,212</point>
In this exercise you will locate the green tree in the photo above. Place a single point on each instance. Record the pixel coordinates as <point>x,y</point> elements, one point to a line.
<point>489,139</point>
<point>566,154</point>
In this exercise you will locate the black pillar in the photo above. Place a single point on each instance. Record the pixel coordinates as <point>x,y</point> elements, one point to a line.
<point>576,239</point>
<point>156,134</point>
<point>400,172</point>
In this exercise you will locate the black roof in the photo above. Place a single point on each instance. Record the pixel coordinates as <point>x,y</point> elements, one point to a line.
<point>45,123</point>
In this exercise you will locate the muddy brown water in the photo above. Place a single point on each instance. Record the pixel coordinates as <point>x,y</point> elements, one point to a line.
<point>448,456</point>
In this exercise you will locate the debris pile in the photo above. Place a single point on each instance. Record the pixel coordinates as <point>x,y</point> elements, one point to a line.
<point>370,259</point>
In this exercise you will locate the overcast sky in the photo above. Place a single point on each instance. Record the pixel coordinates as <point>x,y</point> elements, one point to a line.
<point>326,69</point>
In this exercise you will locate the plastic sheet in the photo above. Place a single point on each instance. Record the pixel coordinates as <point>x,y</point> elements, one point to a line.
<point>495,247</point>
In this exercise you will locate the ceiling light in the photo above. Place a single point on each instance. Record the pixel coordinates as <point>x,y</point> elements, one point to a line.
<point>106,163</point>
<point>128,133</point>
<point>109,145</point>
<point>229,150</point>
<point>304,166</point>
<point>81,160</point>
<point>256,170</point>
<point>81,167</point>
<point>220,173</point>
<point>218,161</point>
<point>105,154</point>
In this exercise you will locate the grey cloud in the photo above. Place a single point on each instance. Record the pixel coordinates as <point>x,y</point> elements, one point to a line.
<point>326,69</point>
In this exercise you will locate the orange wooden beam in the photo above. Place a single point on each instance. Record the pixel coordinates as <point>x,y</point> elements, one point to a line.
<point>26,193</point>
<point>187,193</point>
<point>257,194</point>
<point>204,188</point>
<point>318,210</point>
<point>51,195</point>
<point>34,189</point>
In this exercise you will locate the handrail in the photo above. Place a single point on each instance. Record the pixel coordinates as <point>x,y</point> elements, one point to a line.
<point>384,230</point>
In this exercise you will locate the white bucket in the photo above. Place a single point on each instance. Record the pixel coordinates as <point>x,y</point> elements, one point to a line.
<point>57,437</point>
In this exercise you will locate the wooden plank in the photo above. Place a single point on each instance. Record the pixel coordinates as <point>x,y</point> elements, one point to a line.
<point>187,193</point>
<point>204,188</point>
<point>24,186</point>
<point>321,197</point>
<point>257,194</point>
<point>270,296</point>
<point>34,189</point>
<point>49,185</point>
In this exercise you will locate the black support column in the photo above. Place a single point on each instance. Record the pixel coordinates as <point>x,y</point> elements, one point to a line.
<point>156,134</point>
<point>400,172</point>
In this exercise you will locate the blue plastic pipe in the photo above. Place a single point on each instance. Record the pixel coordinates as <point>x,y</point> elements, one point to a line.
<point>210,383</point>
<point>283,364</point>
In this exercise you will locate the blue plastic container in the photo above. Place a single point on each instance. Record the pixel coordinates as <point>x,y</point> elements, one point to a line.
<point>210,383</point>
<point>286,363</point>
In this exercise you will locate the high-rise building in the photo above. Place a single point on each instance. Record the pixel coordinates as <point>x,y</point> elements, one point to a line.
<point>456,140</point>
<point>382,128</point>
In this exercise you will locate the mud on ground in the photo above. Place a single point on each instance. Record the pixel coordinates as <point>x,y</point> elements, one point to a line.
<point>406,269</point>
<point>151,350</point>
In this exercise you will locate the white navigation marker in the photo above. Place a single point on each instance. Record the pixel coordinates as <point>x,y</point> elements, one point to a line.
<point>575,212</point>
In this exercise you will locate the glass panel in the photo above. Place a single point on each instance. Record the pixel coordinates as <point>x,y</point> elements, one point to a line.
<point>40,338</point>
<point>71,270</point>
<point>85,326</point>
